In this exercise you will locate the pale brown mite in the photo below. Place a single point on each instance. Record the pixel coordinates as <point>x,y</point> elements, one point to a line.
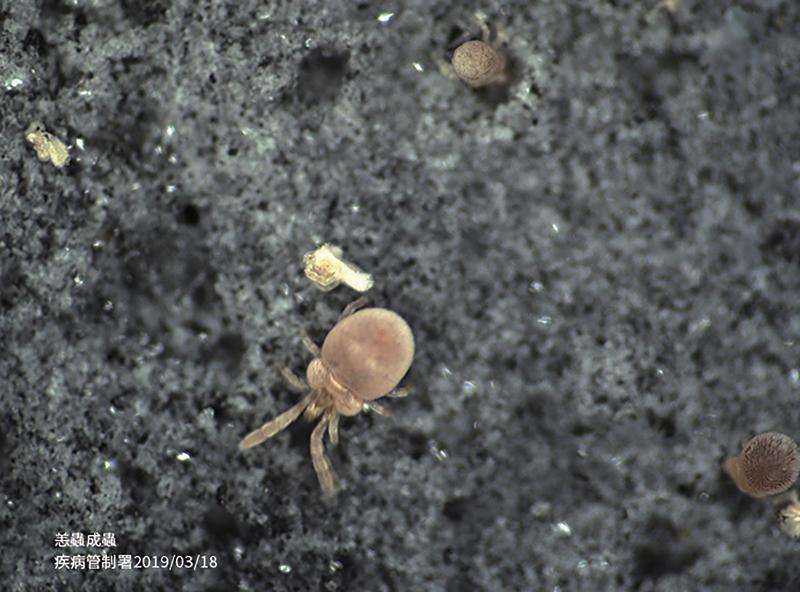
<point>479,64</point>
<point>363,358</point>
<point>769,464</point>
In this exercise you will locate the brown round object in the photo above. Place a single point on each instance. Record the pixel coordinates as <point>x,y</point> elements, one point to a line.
<point>769,464</point>
<point>478,63</point>
<point>369,352</point>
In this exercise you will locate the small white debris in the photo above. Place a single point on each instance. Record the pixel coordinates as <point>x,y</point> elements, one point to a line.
<point>789,517</point>
<point>326,268</point>
<point>562,529</point>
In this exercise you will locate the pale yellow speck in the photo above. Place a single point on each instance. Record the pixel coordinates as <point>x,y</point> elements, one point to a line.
<point>48,148</point>
<point>789,520</point>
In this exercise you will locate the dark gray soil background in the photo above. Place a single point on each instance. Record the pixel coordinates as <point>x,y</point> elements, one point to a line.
<point>601,267</point>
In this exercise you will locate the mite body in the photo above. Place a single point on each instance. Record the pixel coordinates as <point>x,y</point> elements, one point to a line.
<point>363,358</point>
<point>768,464</point>
<point>479,63</point>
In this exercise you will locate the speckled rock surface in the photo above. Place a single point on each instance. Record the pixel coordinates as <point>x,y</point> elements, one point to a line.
<point>601,265</point>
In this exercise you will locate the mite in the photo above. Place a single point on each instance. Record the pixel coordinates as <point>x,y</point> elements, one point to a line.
<point>479,63</point>
<point>768,464</point>
<point>363,358</point>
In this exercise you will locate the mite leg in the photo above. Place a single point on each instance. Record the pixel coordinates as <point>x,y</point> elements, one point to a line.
<point>377,408</point>
<point>501,35</point>
<point>353,307</point>
<point>322,466</point>
<point>315,408</point>
<point>483,22</point>
<point>398,393</point>
<point>333,428</point>
<point>445,68</point>
<point>295,382</point>
<point>274,426</point>
<point>312,347</point>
